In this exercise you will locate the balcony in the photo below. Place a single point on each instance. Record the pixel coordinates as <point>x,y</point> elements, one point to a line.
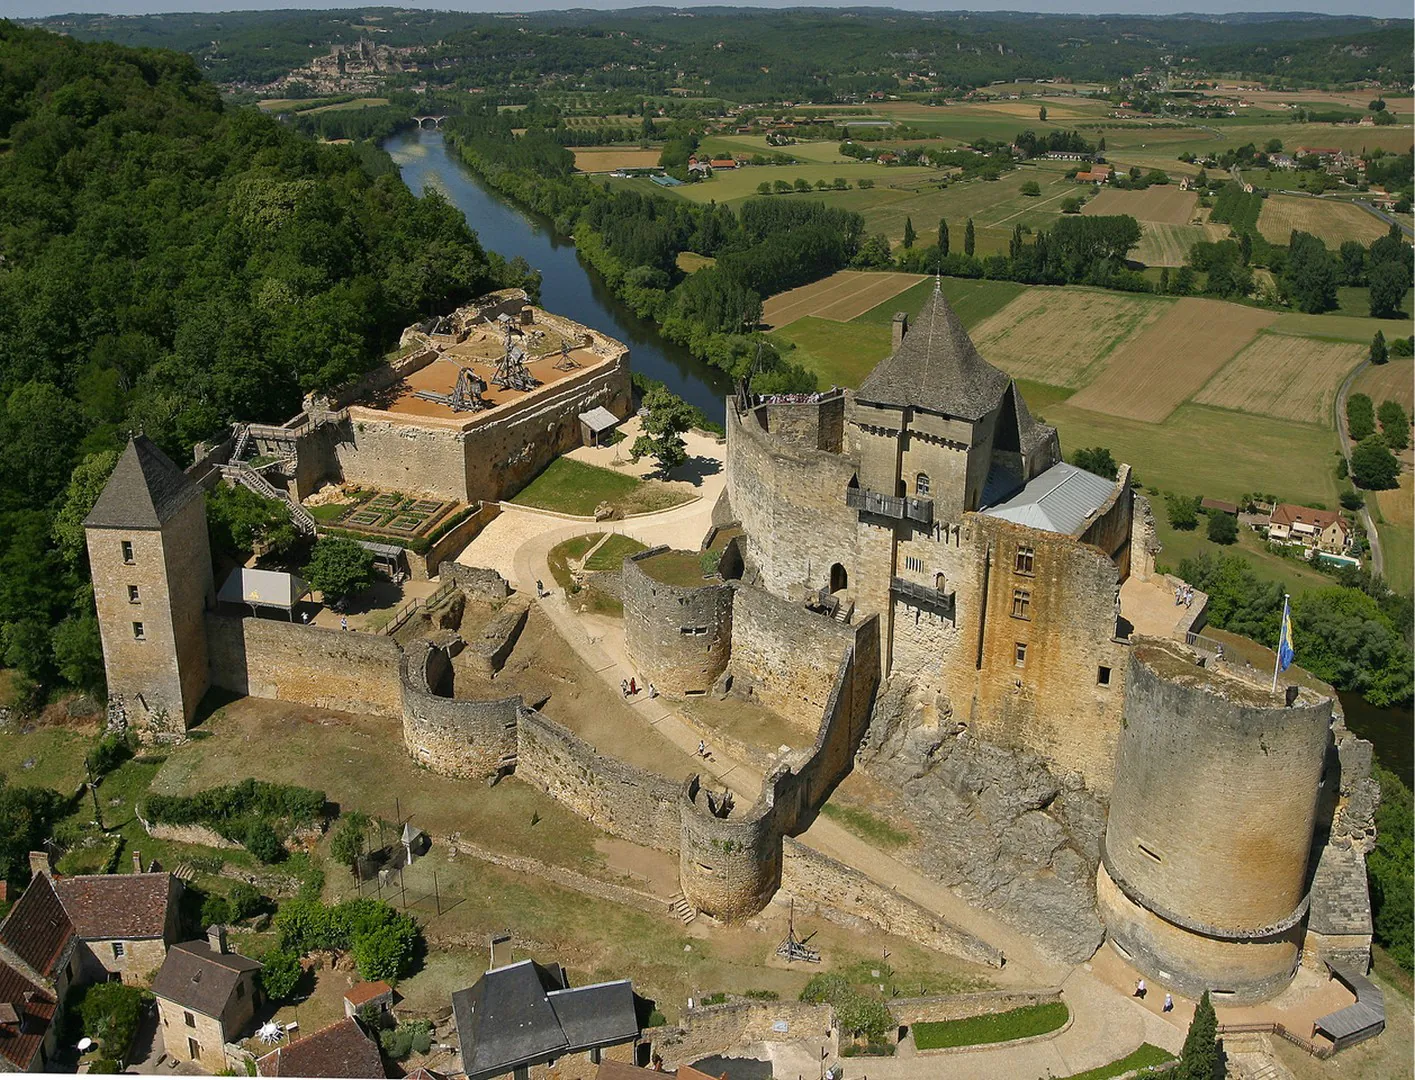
<point>941,603</point>
<point>899,507</point>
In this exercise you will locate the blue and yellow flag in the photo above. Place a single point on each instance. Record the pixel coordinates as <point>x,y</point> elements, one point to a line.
<point>1284,639</point>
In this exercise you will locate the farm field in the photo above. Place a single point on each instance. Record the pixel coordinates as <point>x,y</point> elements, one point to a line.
<point>1156,370</point>
<point>972,300</point>
<point>1397,508</point>
<point>1168,245</point>
<point>1339,327</point>
<point>598,160</point>
<point>840,354</point>
<point>732,185</point>
<point>1284,377</point>
<point>818,152</point>
<point>1394,381</point>
<point>1328,219</point>
<point>841,296</point>
<point>1063,337</point>
<point>1162,203</point>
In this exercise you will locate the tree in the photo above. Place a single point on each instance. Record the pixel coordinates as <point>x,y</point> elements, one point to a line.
<point>1377,106</point>
<point>970,240</point>
<point>1031,187</point>
<point>1245,248</point>
<point>1183,511</point>
<point>1096,459</point>
<point>908,233</point>
<point>27,816</point>
<point>339,568</point>
<point>386,953</point>
<point>110,1013</point>
<point>1373,466</point>
<point>802,184</point>
<point>347,844</point>
<point>78,653</point>
<point>1309,278</point>
<point>1395,425</point>
<point>1389,280</point>
<point>1100,146</point>
<point>85,485</point>
<point>280,974</point>
<point>1222,528</point>
<point>1353,262</point>
<point>943,238</point>
<point>262,842</point>
<point>1164,280</point>
<point>1199,1059</point>
<point>1379,354</point>
<point>764,188</point>
<point>667,417</point>
<point>1388,868</point>
<point>1071,205</point>
<point>1360,416</point>
<point>1042,114</point>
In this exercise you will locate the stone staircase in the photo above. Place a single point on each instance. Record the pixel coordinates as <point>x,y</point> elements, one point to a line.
<point>241,473</point>
<point>184,872</point>
<point>679,906</point>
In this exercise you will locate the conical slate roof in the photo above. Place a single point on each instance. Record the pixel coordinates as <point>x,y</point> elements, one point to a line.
<point>936,367</point>
<point>145,490</point>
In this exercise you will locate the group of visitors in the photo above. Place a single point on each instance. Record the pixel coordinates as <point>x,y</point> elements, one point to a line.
<point>1184,594</point>
<point>1141,990</point>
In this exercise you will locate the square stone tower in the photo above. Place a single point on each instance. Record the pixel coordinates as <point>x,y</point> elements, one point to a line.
<point>151,563</point>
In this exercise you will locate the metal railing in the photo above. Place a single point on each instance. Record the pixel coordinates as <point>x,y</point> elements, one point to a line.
<point>412,607</point>
<point>243,474</point>
<point>894,506</point>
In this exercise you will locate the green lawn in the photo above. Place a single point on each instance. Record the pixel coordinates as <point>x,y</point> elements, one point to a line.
<point>47,757</point>
<point>840,354</point>
<point>613,552</point>
<point>1020,1023</point>
<point>973,300</point>
<point>572,487</point>
<point>681,568</point>
<point>1146,1057</point>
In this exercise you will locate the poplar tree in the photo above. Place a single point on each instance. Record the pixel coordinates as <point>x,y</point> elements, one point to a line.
<point>1199,1058</point>
<point>908,233</point>
<point>943,236</point>
<point>969,240</point>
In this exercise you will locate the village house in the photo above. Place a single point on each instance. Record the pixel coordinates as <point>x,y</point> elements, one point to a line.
<point>340,1050</point>
<point>27,1011</point>
<point>1097,174</point>
<point>206,996</point>
<point>375,996</point>
<point>723,163</point>
<point>1320,530</point>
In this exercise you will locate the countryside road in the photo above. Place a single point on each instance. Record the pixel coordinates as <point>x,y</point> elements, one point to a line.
<point>1377,562</point>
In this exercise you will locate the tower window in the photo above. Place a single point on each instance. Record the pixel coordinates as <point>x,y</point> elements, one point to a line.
<point>1021,603</point>
<point>132,594</point>
<point>127,546</point>
<point>921,484</point>
<point>1102,676</point>
<point>914,563</point>
<point>1148,852</point>
<point>1020,654</point>
<point>138,633</point>
<point>1023,562</point>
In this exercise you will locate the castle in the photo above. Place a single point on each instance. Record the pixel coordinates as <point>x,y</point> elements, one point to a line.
<point>918,539</point>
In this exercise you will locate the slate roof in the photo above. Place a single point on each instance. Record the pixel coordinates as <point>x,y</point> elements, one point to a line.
<point>34,1010</point>
<point>598,419</point>
<point>145,490</point>
<point>525,1013</point>
<point>341,1050</point>
<point>128,906</point>
<point>196,978</point>
<point>38,930</point>
<point>1058,500</point>
<point>937,368</point>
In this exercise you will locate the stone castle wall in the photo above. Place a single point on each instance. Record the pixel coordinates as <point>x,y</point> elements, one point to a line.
<point>470,740</point>
<point>326,669</point>
<point>679,638</point>
<point>1110,527</point>
<point>708,1030</point>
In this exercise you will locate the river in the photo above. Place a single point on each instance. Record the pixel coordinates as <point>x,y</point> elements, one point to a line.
<point>568,286</point>
<point>1392,730</point>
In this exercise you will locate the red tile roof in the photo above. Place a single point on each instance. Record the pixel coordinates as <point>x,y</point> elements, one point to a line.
<point>359,993</point>
<point>129,906</point>
<point>34,1008</point>
<point>1287,514</point>
<point>38,930</point>
<point>341,1049</point>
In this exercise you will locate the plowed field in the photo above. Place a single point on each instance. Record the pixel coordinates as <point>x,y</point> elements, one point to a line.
<point>840,297</point>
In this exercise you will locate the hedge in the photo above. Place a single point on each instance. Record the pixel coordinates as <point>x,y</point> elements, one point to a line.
<point>1020,1023</point>
<point>233,808</point>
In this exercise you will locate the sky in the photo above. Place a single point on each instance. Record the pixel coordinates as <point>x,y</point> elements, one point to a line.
<point>1400,9</point>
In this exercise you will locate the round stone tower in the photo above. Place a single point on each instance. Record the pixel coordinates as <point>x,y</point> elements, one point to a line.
<point>729,862</point>
<point>678,637</point>
<point>1203,876</point>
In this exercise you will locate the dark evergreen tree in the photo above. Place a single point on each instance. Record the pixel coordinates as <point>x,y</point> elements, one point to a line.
<point>908,233</point>
<point>1379,353</point>
<point>969,239</point>
<point>943,237</point>
<point>1200,1057</point>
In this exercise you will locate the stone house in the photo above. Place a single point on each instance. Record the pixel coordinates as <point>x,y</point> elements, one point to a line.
<point>340,1050</point>
<point>374,995</point>
<point>1322,530</point>
<point>206,997</point>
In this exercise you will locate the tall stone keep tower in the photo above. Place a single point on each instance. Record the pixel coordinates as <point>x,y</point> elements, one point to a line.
<point>151,563</point>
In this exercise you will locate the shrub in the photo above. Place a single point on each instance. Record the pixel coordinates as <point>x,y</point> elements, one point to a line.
<point>262,842</point>
<point>1360,416</point>
<point>280,974</point>
<point>386,953</point>
<point>1096,459</point>
<point>1031,187</point>
<point>1352,500</point>
<point>230,809</point>
<point>1183,511</point>
<point>1222,528</point>
<point>414,1037</point>
<point>1020,1023</point>
<point>109,1013</point>
<point>1395,424</point>
<point>215,911</point>
<point>384,941</point>
<point>245,900</point>
<point>108,753</point>
<point>860,1015</point>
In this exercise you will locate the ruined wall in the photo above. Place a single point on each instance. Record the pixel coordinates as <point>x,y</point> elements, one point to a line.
<point>621,799</point>
<point>715,1029</point>
<point>327,669</point>
<point>455,539</point>
<point>488,648</point>
<point>1109,528</point>
<point>788,655</point>
<point>678,638</point>
<point>453,737</point>
<point>1211,822</point>
<point>475,581</point>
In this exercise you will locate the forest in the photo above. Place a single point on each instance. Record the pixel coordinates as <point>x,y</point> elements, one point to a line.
<point>168,265</point>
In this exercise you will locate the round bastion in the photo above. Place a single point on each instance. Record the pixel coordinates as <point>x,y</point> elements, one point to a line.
<point>678,636</point>
<point>729,861</point>
<point>1203,876</point>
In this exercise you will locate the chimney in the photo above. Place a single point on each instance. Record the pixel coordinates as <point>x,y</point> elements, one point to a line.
<point>137,862</point>
<point>500,951</point>
<point>901,327</point>
<point>216,938</point>
<point>39,863</point>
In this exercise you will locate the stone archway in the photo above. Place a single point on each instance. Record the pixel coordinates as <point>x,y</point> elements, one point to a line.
<point>839,579</point>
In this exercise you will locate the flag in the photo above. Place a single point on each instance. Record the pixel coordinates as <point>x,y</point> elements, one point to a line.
<point>1284,638</point>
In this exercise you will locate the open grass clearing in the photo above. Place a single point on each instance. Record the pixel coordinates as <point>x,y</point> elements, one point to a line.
<point>1168,245</point>
<point>572,487</point>
<point>1161,367</point>
<point>819,152</point>
<point>1023,1023</point>
<point>732,185</point>
<point>1391,381</point>
<point>611,554</point>
<point>46,755</point>
<point>1165,204</point>
<point>1285,377</point>
<point>866,825</point>
<point>840,297</point>
<point>1397,531</point>
<point>1330,220</point>
<point>972,300</point>
<point>598,160</point>
<point>1063,336</point>
<point>357,103</point>
<point>1339,327</point>
<point>689,261</point>
<point>681,568</point>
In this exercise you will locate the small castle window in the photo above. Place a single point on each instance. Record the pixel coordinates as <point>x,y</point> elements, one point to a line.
<point>1148,852</point>
<point>1020,654</point>
<point>189,1019</point>
<point>921,484</point>
<point>132,594</point>
<point>1102,676</point>
<point>1021,603</point>
<point>914,563</point>
<point>138,633</point>
<point>1023,563</point>
<point>127,551</point>
<point>117,950</point>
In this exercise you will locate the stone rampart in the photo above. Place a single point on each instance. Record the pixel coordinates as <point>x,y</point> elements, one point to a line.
<point>1109,526</point>
<point>456,538</point>
<point>475,581</point>
<point>621,799</point>
<point>326,669</point>
<point>470,740</point>
<point>488,649</point>
<point>678,638</point>
<point>787,655</point>
<point>717,1029</point>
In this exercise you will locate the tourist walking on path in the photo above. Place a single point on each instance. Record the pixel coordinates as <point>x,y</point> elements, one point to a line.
<point>1140,989</point>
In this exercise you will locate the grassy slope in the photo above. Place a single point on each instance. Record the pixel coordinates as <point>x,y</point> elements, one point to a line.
<point>994,1028</point>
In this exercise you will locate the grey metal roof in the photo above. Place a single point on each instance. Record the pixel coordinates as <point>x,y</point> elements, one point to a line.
<point>599,419</point>
<point>1058,500</point>
<point>387,551</point>
<point>145,490</point>
<point>937,368</point>
<point>196,978</point>
<point>265,588</point>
